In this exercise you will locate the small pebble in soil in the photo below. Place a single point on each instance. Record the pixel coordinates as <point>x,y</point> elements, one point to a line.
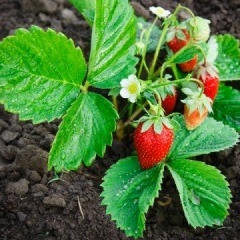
<point>69,16</point>
<point>21,216</point>
<point>19,188</point>
<point>37,6</point>
<point>8,136</point>
<point>33,158</point>
<point>33,176</point>
<point>9,152</point>
<point>54,200</point>
<point>39,188</point>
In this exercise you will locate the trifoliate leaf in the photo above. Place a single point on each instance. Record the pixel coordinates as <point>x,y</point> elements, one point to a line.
<point>40,74</point>
<point>228,59</point>
<point>226,106</point>
<point>113,44</point>
<point>85,131</point>
<point>86,8</point>
<point>128,192</point>
<point>203,191</point>
<point>210,136</point>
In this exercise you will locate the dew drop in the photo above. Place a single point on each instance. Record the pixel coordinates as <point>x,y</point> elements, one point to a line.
<point>195,199</point>
<point>135,201</point>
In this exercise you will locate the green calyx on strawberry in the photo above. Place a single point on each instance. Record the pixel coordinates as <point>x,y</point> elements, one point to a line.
<point>153,139</point>
<point>168,95</point>
<point>177,38</point>
<point>208,75</point>
<point>196,107</point>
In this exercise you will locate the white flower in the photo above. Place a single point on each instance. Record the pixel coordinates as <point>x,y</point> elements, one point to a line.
<point>160,12</point>
<point>131,88</point>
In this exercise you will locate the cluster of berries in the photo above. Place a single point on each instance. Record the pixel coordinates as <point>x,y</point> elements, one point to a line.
<point>152,146</point>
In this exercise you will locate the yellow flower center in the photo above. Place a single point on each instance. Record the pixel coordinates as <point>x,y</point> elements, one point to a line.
<point>132,88</point>
<point>160,11</point>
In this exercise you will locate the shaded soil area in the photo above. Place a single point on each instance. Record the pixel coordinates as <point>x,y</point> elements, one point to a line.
<point>37,204</point>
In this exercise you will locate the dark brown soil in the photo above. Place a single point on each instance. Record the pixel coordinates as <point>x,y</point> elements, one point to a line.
<point>35,205</point>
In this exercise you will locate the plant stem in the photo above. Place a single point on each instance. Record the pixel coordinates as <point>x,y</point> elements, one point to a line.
<point>134,115</point>
<point>174,70</point>
<point>84,88</point>
<point>156,54</point>
<point>183,80</point>
<point>180,7</point>
<point>143,62</point>
<point>115,103</point>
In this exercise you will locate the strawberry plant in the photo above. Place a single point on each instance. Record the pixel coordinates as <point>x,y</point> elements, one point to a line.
<point>178,101</point>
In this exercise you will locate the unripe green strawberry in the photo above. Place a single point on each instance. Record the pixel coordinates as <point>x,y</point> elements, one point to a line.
<point>200,29</point>
<point>152,147</point>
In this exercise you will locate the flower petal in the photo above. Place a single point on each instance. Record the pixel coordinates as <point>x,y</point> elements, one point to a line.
<point>132,98</point>
<point>124,93</point>
<point>132,78</point>
<point>124,83</point>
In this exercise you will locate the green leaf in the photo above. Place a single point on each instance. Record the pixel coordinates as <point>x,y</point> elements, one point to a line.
<point>40,74</point>
<point>154,36</point>
<point>228,59</point>
<point>189,52</point>
<point>203,191</point>
<point>226,106</point>
<point>86,8</point>
<point>129,191</point>
<point>113,44</point>
<point>210,136</point>
<point>85,131</point>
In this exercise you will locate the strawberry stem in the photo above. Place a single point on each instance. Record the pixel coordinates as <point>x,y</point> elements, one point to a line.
<point>134,115</point>
<point>160,42</point>
<point>143,62</point>
<point>180,7</point>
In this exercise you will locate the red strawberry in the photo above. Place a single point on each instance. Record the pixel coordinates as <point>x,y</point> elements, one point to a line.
<point>211,85</point>
<point>195,118</point>
<point>196,107</point>
<point>208,74</point>
<point>169,102</point>
<point>177,38</point>
<point>152,147</point>
<point>189,65</point>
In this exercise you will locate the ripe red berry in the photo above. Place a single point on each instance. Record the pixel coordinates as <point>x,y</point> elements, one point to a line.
<point>151,146</point>
<point>207,73</point>
<point>169,102</point>
<point>177,38</point>
<point>211,85</point>
<point>189,65</point>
